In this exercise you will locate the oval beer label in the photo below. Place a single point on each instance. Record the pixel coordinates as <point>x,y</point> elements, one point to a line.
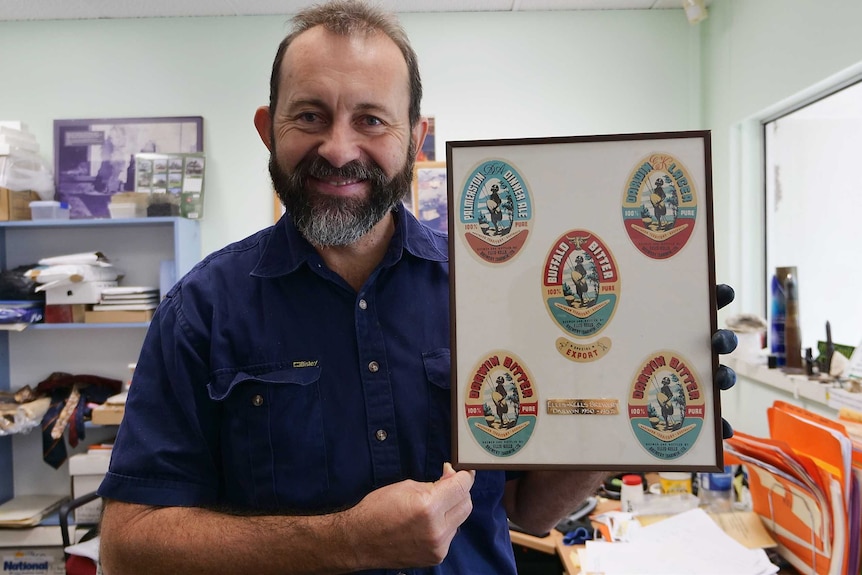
<point>666,405</point>
<point>495,211</point>
<point>581,283</point>
<point>501,404</point>
<point>659,206</point>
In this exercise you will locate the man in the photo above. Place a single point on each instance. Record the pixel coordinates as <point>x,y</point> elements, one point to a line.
<point>657,199</point>
<point>665,400</point>
<point>494,207</point>
<point>579,275</point>
<point>289,412</point>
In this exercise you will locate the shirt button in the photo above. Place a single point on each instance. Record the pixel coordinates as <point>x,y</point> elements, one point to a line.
<point>257,400</point>
<point>363,304</point>
<point>373,367</point>
<point>381,435</point>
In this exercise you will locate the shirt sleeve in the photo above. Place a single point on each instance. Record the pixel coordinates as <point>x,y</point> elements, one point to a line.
<point>165,451</point>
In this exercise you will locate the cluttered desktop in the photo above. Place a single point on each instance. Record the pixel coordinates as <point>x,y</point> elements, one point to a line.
<point>788,504</point>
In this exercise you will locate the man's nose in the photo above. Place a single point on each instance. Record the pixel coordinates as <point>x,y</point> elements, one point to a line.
<point>340,145</point>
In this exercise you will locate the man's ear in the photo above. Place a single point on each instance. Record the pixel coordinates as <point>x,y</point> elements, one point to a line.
<point>263,123</point>
<point>420,130</point>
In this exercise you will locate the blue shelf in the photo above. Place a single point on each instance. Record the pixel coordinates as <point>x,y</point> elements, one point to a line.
<point>50,326</point>
<point>90,223</point>
<point>146,250</point>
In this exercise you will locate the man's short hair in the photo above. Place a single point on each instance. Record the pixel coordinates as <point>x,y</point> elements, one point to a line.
<point>348,18</point>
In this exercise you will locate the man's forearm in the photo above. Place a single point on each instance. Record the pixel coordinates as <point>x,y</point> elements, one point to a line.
<point>538,500</point>
<point>405,524</point>
<point>154,541</point>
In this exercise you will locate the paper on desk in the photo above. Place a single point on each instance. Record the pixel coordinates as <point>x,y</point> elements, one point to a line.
<point>744,526</point>
<point>686,544</point>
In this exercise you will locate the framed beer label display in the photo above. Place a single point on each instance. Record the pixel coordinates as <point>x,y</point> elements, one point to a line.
<point>583,302</point>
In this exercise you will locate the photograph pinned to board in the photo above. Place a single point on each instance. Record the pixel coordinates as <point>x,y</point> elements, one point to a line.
<point>95,158</point>
<point>583,303</point>
<point>173,183</point>
<point>430,199</point>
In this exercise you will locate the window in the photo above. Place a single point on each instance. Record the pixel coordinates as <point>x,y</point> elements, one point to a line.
<point>813,155</point>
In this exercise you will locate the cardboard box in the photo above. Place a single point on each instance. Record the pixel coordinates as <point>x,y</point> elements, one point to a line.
<point>108,414</point>
<point>16,205</point>
<point>86,470</point>
<point>65,313</point>
<point>118,316</point>
<point>81,292</point>
<point>40,560</point>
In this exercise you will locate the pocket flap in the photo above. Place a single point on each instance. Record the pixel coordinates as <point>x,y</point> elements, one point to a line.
<point>438,367</point>
<point>224,383</point>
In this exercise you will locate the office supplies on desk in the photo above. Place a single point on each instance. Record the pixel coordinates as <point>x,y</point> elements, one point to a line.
<point>689,543</point>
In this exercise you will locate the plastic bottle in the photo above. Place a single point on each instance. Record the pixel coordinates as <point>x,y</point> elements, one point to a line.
<point>792,335</point>
<point>777,318</point>
<point>715,490</point>
<point>631,493</point>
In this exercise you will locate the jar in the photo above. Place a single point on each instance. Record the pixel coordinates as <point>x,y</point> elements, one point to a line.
<point>631,493</point>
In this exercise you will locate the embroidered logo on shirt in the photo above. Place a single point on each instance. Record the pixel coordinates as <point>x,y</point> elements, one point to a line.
<point>659,206</point>
<point>305,363</point>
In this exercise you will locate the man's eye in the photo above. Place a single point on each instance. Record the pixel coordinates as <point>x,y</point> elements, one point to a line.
<point>307,117</point>
<point>373,121</point>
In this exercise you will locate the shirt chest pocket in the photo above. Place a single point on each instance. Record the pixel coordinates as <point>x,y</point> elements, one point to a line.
<point>273,446</point>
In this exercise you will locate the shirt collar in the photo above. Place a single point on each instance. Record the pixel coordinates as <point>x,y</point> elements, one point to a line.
<point>286,249</point>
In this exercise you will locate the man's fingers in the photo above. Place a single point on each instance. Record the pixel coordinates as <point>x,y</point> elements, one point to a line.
<point>726,429</point>
<point>455,494</point>
<point>456,481</point>
<point>725,377</point>
<point>724,341</point>
<point>447,470</point>
<point>724,294</point>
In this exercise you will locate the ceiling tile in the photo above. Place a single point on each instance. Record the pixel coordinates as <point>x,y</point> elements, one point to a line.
<point>72,9</point>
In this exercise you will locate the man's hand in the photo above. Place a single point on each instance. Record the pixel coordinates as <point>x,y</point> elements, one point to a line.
<point>724,341</point>
<point>412,524</point>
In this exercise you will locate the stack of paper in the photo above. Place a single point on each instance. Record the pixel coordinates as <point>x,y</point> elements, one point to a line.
<point>28,510</point>
<point>16,138</point>
<point>689,543</point>
<point>805,484</point>
<point>128,298</point>
<point>59,271</point>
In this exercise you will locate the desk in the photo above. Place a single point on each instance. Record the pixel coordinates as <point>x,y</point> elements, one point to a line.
<point>551,544</point>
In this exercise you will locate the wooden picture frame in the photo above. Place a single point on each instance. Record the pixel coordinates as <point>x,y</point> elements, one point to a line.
<point>429,201</point>
<point>583,303</point>
<point>94,158</point>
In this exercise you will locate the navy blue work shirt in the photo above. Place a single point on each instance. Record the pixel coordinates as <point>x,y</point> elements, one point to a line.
<point>266,383</point>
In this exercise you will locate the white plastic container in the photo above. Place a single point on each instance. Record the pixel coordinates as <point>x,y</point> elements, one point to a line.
<point>120,210</point>
<point>49,210</point>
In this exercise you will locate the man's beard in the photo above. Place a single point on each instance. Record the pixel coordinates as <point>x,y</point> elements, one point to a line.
<point>326,220</point>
